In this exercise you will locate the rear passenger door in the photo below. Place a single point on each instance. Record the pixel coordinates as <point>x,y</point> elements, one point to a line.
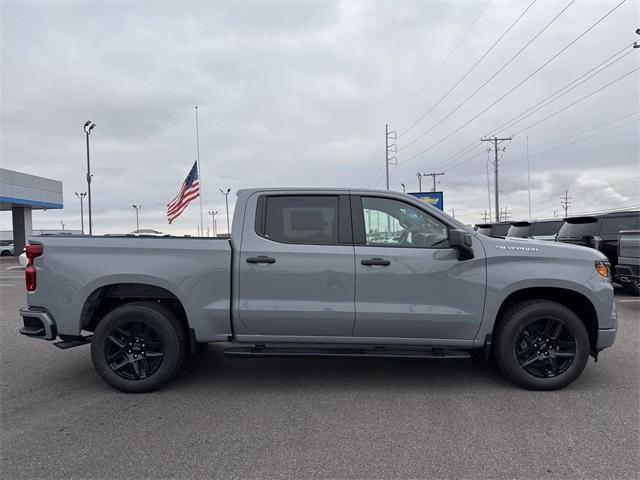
<point>296,268</point>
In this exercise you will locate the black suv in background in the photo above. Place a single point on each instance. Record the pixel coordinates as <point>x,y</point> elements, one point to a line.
<point>599,232</point>
<point>537,229</point>
<point>498,229</point>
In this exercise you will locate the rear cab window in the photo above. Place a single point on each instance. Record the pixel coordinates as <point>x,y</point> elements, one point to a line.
<point>578,227</point>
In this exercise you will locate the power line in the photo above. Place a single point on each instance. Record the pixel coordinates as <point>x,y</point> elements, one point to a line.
<point>565,202</point>
<point>577,101</point>
<point>446,59</point>
<point>495,74</point>
<point>547,62</point>
<point>541,104</point>
<point>468,71</point>
<point>544,102</point>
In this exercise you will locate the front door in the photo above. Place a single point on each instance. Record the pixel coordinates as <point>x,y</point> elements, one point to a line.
<point>409,282</point>
<point>296,268</point>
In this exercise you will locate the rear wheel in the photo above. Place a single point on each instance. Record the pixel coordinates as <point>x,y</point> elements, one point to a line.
<point>138,347</point>
<point>541,345</point>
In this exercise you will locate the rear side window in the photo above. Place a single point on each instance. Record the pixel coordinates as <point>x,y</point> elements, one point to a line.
<point>613,225</point>
<point>306,219</point>
<point>578,227</point>
<point>546,228</point>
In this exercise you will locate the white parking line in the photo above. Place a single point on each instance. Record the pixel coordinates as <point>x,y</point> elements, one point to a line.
<point>6,284</point>
<point>628,300</point>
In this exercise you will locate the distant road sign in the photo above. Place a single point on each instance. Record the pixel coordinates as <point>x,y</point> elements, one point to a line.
<point>435,199</point>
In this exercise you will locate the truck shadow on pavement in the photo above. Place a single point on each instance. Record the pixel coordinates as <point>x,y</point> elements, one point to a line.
<point>210,367</point>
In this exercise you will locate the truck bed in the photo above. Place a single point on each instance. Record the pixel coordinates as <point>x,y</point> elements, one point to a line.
<point>74,270</point>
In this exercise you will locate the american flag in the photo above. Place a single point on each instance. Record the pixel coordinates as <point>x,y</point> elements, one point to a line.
<point>189,190</point>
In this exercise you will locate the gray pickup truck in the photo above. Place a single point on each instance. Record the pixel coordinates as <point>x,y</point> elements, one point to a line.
<point>313,272</point>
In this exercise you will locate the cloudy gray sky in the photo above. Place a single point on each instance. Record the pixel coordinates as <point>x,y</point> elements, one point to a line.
<point>298,94</point>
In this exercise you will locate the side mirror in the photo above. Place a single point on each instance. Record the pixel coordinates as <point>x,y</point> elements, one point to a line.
<point>462,242</point>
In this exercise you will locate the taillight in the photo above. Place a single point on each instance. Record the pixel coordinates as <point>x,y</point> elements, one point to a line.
<point>32,252</point>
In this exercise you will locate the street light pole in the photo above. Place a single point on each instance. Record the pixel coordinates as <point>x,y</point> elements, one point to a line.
<point>88,126</point>
<point>213,214</point>
<point>81,197</point>
<point>137,207</point>
<point>226,201</point>
<point>419,175</point>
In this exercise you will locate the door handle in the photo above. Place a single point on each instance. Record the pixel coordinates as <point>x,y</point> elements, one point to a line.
<point>381,262</point>
<point>261,259</point>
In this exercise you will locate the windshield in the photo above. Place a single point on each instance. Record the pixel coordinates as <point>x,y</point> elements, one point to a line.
<point>578,227</point>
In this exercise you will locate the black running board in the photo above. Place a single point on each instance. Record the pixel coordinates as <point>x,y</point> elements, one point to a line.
<point>73,342</point>
<point>322,352</point>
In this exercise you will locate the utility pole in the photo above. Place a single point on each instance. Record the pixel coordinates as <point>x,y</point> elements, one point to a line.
<point>453,212</point>
<point>81,196</point>
<point>485,216</point>
<point>433,175</point>
<point>389,148</point>
<point>199,169</point>
<point>226,201</point>
<point>495,140</point>
<point>565,202</point>
<point>88,127</point>
<point>213,214</point>
<point>63,225</point>
<point>137,207</point>
<point>419,175</point>
<point>404,189</point>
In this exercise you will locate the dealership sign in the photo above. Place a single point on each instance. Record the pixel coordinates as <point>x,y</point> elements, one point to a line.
<point>435,199</point>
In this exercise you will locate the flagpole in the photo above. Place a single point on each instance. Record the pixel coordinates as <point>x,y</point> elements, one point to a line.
<point>199,169</point>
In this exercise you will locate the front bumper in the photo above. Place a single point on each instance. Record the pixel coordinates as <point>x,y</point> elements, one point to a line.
<point>38,324</point>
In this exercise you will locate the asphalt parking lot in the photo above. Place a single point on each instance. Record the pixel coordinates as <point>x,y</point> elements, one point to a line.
<point>313,418</point>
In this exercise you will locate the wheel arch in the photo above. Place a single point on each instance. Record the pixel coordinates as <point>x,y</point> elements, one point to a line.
<point>106,297</point>
<point>575,301</point>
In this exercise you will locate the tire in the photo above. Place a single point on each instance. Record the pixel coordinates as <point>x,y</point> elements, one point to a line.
<point>632,288</point>
<point>5,253</point>
<point>527,353</point>
<point>138,347</point>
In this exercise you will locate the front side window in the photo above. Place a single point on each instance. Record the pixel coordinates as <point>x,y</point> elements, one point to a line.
<point>305,219</point>
<point>392,223</point>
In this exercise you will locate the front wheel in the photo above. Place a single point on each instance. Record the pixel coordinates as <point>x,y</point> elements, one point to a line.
<point>138,347</point>
<point>541,345</point>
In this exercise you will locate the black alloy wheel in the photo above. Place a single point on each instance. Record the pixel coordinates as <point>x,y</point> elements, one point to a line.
<point>545,348</point>
<point>134,350</point>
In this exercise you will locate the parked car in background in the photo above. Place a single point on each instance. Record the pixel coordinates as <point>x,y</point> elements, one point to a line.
<point>536,229</point>
<point>6,250</point>
<point>483,228</point>
<point>498,229</point>
<point>628,267</point>
<point>599,232</point>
